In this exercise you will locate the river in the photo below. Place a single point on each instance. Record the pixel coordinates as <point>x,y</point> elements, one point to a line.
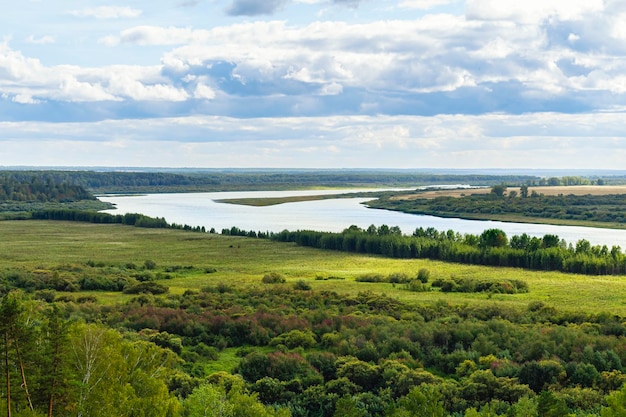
<point>334,215</point>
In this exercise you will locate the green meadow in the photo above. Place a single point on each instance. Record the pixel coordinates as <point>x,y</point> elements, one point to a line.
<point>242,262</point>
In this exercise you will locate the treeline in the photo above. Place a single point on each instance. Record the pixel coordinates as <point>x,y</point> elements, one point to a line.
<point>233,180</point>
<point>597,208</point>
<point>130,219</point>
<point>39,187</point>
<point>492,248</point>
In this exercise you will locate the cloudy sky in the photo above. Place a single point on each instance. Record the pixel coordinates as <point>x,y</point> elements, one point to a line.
<point>314,83</point>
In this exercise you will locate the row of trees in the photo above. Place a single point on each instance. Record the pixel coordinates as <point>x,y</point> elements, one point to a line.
<point>492,247</point>
<point>130,219</point>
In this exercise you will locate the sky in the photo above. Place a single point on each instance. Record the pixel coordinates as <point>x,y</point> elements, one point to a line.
<point>408,84</point>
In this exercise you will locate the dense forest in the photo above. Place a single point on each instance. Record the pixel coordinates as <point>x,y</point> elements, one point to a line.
<point>597,208</point>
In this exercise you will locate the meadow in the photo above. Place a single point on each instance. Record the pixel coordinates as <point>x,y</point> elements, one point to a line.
<point>242,262</point>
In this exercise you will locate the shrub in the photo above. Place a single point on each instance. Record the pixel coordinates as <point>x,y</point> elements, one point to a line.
<point>398,278</point>
<point>146,287</point>
<point>371,277</point>
<point>301,285</point>
<point>273,278</point>
<point>86,299</point>
<point>416,286</point>
<point>423,275</point>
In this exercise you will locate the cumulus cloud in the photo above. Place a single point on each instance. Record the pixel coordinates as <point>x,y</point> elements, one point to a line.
<point>107,12</point>
<point>499,56</point>
<point>27,80</point>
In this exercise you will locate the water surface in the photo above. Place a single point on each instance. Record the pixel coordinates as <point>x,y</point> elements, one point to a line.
<point>333,215</point>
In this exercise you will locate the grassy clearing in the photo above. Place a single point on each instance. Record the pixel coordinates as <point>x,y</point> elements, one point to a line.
<point>243,262</point>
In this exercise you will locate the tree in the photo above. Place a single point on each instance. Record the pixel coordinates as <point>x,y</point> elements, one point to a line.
<point>424,400</point>
<point>16,337</point>
<point>349,407</point>
<point>57,376</point>
<point>208,401</point>
<point>491,238</point>
<point>119,377</point>
<point>616,404</point>
<point>523,191</point>
<point>499,190</point>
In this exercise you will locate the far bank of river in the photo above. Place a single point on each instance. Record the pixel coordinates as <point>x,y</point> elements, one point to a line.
<point>333,215</point>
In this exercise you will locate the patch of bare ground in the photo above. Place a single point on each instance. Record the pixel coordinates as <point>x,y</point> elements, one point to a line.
<point>565,190</point>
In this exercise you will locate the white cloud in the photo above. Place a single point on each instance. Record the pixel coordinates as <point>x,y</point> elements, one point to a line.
<point>531,11</point>
<point>331,89</point>
<point>24,99</point>
<point>107,12</point>
<point>71,89</point>
<point>204,92</point>
<point>26,77</point>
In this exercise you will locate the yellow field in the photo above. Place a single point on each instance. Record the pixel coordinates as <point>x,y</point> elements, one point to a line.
<point>565,190</point>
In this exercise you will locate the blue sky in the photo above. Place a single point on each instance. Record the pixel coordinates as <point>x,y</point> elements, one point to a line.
<point>314,83</point>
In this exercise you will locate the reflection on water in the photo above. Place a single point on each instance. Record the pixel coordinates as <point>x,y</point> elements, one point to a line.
<point>200,209</point>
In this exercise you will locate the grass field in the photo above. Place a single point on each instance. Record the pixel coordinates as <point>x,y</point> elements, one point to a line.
<point>550,191</point>
<point>239,261</point>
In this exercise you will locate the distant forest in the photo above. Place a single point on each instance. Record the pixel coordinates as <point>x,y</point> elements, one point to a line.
<point>40,187</point>
<point>58,185</point>
<point>239,180</point>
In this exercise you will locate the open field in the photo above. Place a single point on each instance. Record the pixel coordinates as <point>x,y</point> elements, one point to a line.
<point>551,191</point>
<point>42,245</point>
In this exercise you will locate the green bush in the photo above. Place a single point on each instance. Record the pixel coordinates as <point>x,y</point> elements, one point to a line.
<point>301,285</point>
<point>273,278</point>
<point>423,275</point>
<point>146,287</point>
